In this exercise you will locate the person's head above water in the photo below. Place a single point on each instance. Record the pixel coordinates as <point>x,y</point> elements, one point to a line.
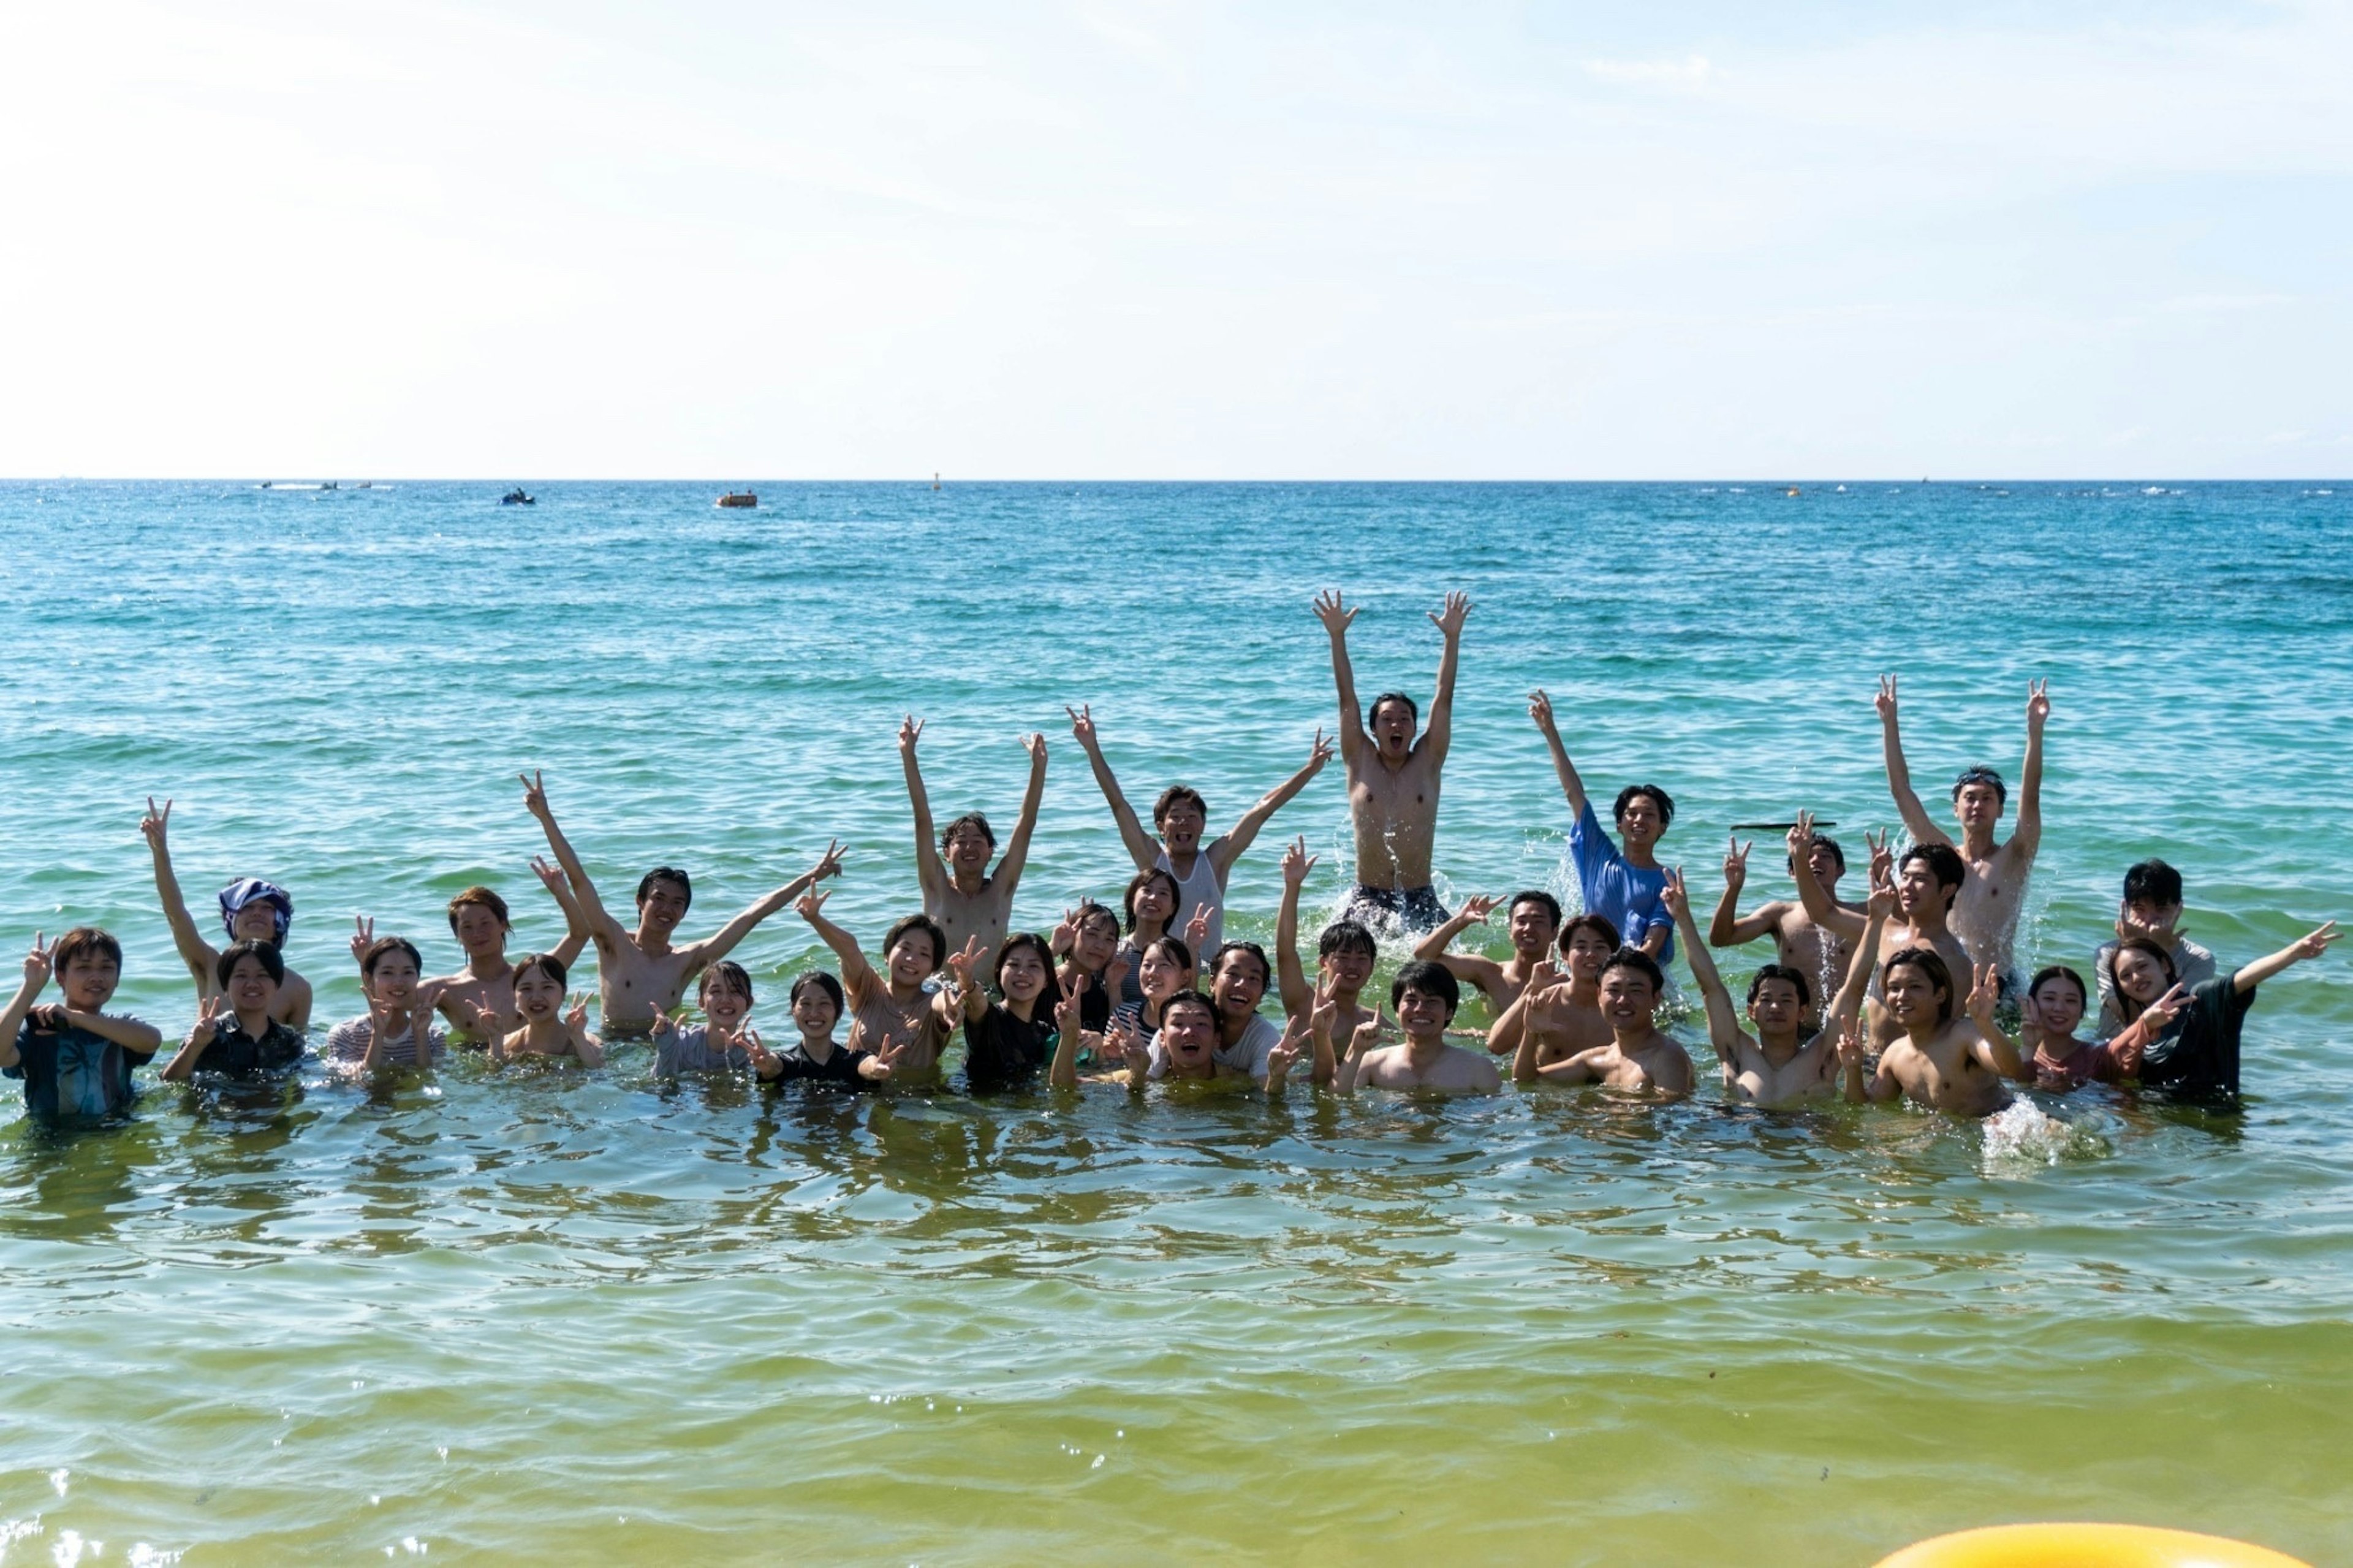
<point>1424,996</point>
<point>2152,901</point>
<point>539,986</point>
<point>1827,859</point>
<point>1587,943</point>
<point>818,1004</point>
<point>1391,720</point>
<point>1643,814</point>
<point>1182,816</point>
<point>1929,877</point>
<point>1025,968</point>
<point>1534,920</point>
<point>88,963</point>
<point>725,993</point>
<point>1979,796</point>
<point>1188,1034</point>
<point>914,948</point>
<point>255,910</point>
<point>1238,973</point>
<point>249,973</point>
<point>2059,998</point>
<point>967,843</point>
<point>479,919</point>
<point>1631,984</point>
<point>1347,951</point>
<point>1917,988</point>
<point>1778,998</point>
<point>664,895</point>
<point>1151,896</point>
<point>2141,970</point>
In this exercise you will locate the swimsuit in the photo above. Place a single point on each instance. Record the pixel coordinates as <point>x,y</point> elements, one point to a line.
<point>1414,909</point>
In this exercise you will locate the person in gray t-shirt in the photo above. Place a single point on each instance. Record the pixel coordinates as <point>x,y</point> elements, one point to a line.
<point>717,1044</point>
<point>2151,909</point>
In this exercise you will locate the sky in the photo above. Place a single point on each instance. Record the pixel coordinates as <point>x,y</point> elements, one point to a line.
<point>1088,240</point>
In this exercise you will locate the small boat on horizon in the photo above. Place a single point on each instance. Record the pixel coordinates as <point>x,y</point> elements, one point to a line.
<point>516,496</point>
<point>738,498</point>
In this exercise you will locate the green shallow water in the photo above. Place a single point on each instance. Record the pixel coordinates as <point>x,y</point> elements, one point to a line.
<point>589,1318</point>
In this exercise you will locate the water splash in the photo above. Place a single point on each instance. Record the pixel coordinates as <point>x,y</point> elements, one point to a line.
<point>2024,1137</point>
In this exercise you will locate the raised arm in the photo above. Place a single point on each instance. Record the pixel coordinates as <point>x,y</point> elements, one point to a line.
<point>195,951</point>
<point>1017,848</point>
<point>1140,847</point>
<point>37,974</point>
<point>720,942</point>
<point>1540,710</point>
<point>2026,837</point>
<point>858,976</point>
<point>1899,774</point>
<point>1485,973</point>
<point>575,918</point>
<point>1362,1043</point>
<point>929,871</point>
<point>971,1001</point>
<point>1336,617</point>
<point>1228,848</point>
<point>1847,1006</point>
<point>1438,733</point>
<point>1503,1035</point>
<point>601,925</point>
<point>1065,1071</point>
<point>200,1038</point>
<point>1820,906</point>
<point>1995,1050</point>
<point>1723,1022</point>
<point>1291,980</point>
<point>1728,926</point>
<point>2263,969</point>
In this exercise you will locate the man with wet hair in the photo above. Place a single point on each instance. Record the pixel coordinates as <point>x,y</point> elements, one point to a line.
<point>1562,1012</point>
<point>2151,909</point>
<point>1802,943</point>
<point>1621,886</point>
<point>1180,816</point>
<point>1344,953</point>
<point>959,890</point>
<point>1393,776</point>
<point>1929,878</point>
<point>1534,921</point>
<point>1985,916</point>
<point>1639,1055</point>
<point>1947,1053</point>
<point>1425,996</point>
<point>638,973</point>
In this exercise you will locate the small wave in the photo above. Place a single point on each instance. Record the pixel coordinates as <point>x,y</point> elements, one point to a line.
<point>2023,1135</point>
<point>2152,489</point>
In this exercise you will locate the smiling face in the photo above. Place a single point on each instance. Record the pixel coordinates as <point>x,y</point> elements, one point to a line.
<point>1349,968</point>
<point>1181,826</point>
<point>394,980</point>
<point>249,989</point>
<point>1188,1039</point>
<point>1627,999</point>
<point>1021,975</point>
<point>1421,1015</point>
<point>258,922</point>
<point>479,930</point>
<point>725,1004</point>
<point>1825,863</point>
<point>539,995</point>
<point>1392,727</point>
<point>1156,902</point>
<point>1918,891</point>
<point>1241,982</point>
<point>1913,999</point>
<point>1587,953</point>
<point>967,849</point>
<point>2059,1004</point>
<point>2141,975</point>
<point>1640,823</point>
<point>89,981</point>
<point>1776,1009</point>
<point>814,1013</point>
<point>662,908</point>
<point>911,960</point>
<point>1158,977</point>
<point>1978,805</point>
<point>1096,942</point>
<point>1533,929</point>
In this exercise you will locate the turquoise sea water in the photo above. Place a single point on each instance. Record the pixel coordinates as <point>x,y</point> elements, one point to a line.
<point>586,1317</point>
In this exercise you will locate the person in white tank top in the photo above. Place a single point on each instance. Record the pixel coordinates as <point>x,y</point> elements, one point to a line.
<point>1181,816</point>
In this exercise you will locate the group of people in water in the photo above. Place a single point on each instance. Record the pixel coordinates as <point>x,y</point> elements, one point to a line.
<point>1908,993</point>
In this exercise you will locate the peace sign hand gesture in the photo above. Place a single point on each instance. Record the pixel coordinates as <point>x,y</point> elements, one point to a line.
<point>1082,725</point>
<point>1735,863</point>
<point>534,794</point>
<point>1885,700</point>
<point>210,1020</point>
<point>157,824</point>
<point>883,1061</point>
<point>37,964</point>
<point>1984,993</point>
<point>2038,703</point>
<point>911,730</point>
<point>363,937</point>
<point>1297,862</point>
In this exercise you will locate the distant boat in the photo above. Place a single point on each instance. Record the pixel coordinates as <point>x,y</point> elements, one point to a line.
<point>516,496</point>
<point>739,498</point>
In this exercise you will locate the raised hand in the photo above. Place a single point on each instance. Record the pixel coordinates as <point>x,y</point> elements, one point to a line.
<point>38,963</point>
<point>534,794</point>
<point>1134,1056</point>
<point>2159,1013</point>
<point>886,1054</point>
<point>1984,993</point>
<point>549,877</point>
<point>1883,902</point>
<point>828,864</point>
<point>1065,934</point>
<point>421,1008</point>
<point>157,824</point>
<point>1325,1010</point>
<point>1735,863</point>
<point>208,1020</point>
<point>2315,944</point>
<point>812,903</point>
<point>1035,744</point>
<point>1196,932</point>
<point>663,1023</point>
<point>1297,862</point>
<point>1320,752</point>
<point>1367,1034</point>
<point>1883,856</point>
<point>1334,615</point>
<point>1850,1043</point>
<point>1885,700</point>
<point>1066,1011</point>
<point>363,937</point>
<point>1450,620</point>
<point>911,730</point>
<point>764,1061</point>
<point>960,963</point>
<point>2038,703</point>
<point>1673,896</point>
<point>575,1017</point>
<point>743,1041</point>
<point>1801,836</point>
<point>1082,725</point>
<point>1283,1057</point>
<point>1478,907</point>
<point>1540,710</point>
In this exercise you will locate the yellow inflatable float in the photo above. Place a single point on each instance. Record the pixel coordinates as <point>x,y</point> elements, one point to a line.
<point>2085,1546</point>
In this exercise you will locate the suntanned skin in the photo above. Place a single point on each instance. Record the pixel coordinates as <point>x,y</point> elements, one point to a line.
<point>959,890</point>
<point>1532,932</point>
<point>638,973</point>
<point>1181,830</point>
<point>1814,950</point>
<point>247,1000</point>
<point>87,984</point>
<point>487,983</point>
<point>255,923</point>
<point>1956,1065</point>
<point>539,995</point>
<point>1921,900</point>
<point>909,963</point>
<point>1640,1057</point>
<point>1423,1060</point>
<point>1345,973</point>
<point>1392,777</point>
<point>1985,916</point>
<point>1639,825</point>
<point>1562,1016</point>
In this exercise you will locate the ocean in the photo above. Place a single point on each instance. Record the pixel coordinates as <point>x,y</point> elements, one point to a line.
<point>492,1315</point>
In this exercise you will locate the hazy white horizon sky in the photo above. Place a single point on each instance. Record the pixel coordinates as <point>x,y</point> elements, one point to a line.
<point>1160,241</point>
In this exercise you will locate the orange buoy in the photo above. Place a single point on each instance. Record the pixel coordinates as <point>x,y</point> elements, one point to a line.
<point>2085,1546</point>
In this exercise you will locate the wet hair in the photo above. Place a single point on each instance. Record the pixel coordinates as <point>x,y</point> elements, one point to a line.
<point>1927,961</point>
<point>487,900</point>
<point>2060,972</point>
<point>973,820</point>
<point>820,980</point>
<point>1142,879</point>
<point>248,891</point>
<point>1169,947</point>
<point>1265,970</point>
<point>547,963</point>
<point>1373,714</point>
<point>1945,863</point>
<point>1431,979</point>
<point>383,947</point>
<point>929,927</point>
<point>1796,977</point>
<point>1170,796</point>
<point>1981,774</point>
<point>2130,1008</point>
<point>1641,963</point>
<point>1658,797</point>
<point>84,941</point>
<point>267,952</point>
<point>1188,999</point>
<point>1013,944</point>
<point>737,977</point>
<point>1536,896</point>
<point>2153,881</point>
<point>664,874</point>
<point>1347,936</point>
<point>1600,925</point>
<point>1827,842</point>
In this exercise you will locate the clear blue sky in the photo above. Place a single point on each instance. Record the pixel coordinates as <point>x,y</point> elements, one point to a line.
<point>740,240</point>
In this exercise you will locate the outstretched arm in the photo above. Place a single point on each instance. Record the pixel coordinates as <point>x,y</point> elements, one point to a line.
<point>720,942</point>
<point>858,976</point>
<point>1228,848</point>
<point>1540,710</point>
<point>575,918</point>
<point>929,873</point>
<point>1291,980</point>
<point>1140,847</point>
<point>1485,973</point>
<point>601,925</point>
<point>2027,837</point>
<point>2263,969</point>
<point>1899,774</point>
<point>1438,733</point>
<point>1017,848</point>
<point>195,951</point>
<point>1336,617</point>
<point>1728,928</point>
<point>1723,1022</point>
<point>1821,907</point>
